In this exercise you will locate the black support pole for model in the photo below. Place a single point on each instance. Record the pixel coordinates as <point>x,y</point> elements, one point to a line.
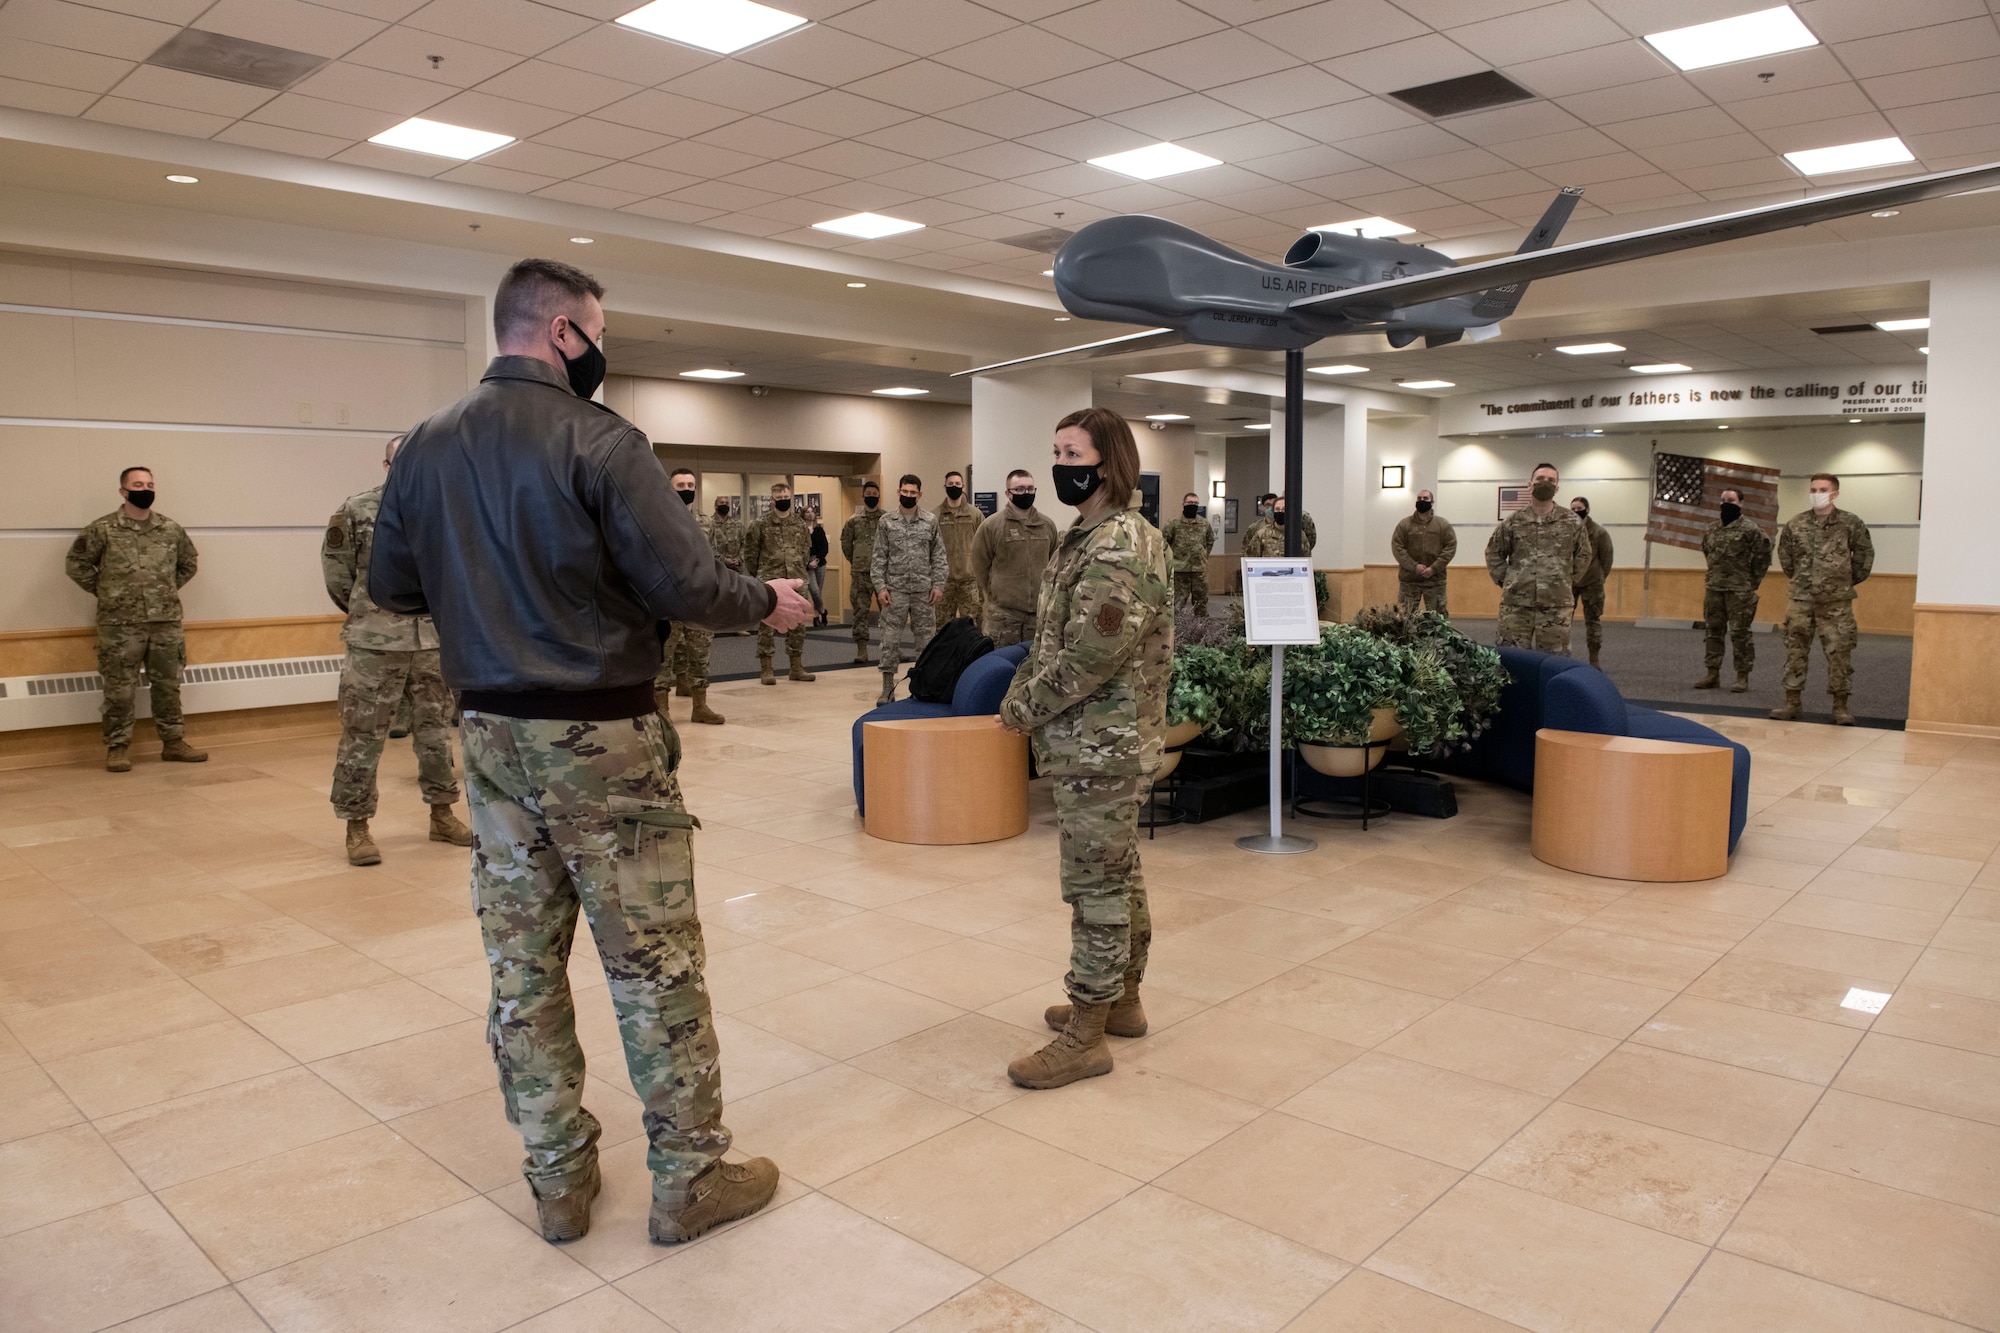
<point>1295,448</point>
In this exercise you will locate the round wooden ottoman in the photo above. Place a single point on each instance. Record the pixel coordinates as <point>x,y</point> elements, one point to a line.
<point>940,780</point>
<point>1625,808</point>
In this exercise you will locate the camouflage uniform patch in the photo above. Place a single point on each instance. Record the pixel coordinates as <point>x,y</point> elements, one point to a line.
<point>1590,588</point>
<point>373,686</point>
<point>136,572</point>
<point>908,561</point>
<point>1267,537</point>
<point>1826,559</point>
<point>777,547</point>
<point>958,524</point>
<point>1190,540</point>
<point>1739,555</point>
<point>123,652</point>
<point>1426,540</point>
<point>857,547</point>
<point>1537,563</point>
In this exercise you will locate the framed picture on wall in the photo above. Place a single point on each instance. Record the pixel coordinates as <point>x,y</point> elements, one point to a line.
<point>1229,515</point>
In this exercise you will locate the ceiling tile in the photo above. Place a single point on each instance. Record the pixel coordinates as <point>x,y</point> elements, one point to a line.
<point>1813,67</point>
<point>1654,97</point>
<point>389,11</point>
<point>930,178</point>
<point>314,116</point>
<point>839,113</point>
<point>1136,197</point>
<point>1230,56</point>
<point>1349,120</point>
<point>1304,164</point>
<point>826,55</point>
<point>986,227</point>
<point>922,27</point>
<point>1840,99</point>
<point>39,62</point>
<point>1970,78</point>
<point>1408,64</point>
<point>699,159</point>
<point>1446,13</point>
<point>998,196</point>
<point>1674,127</point>
<point>191,92</point>
<point>624,53</point>
<point>644,182</point>
<point>1182,117</point>
<point>1945,43</point>
<point>1300,88</point>
<point>870,197</point>
<point>539,159</point>
<point>1636,189</point>
<point>1127,27</point>
<point>930,212</point>
<point>512,25</point>
<point>1350,184</point>
<point>1010,115</point>
<point>176,12</point>
<point>281,140</point>
<point>394,159</point>
<point>482,111</point>
<point>290,23</point>
<point>408,50</point>
<point>1005,161</point>
<point>1639,17</point>
<point>1259,139</point>
<point>721,194</point>
<point>594,196</point>
<point>1403,145</point>
<point>1846,20</point>
<point>80,28</point>
<point>1394,203</point>
<point>1069,182</point>
<point>666,113</point>
<point>1625,63</point>
<point>1523,120</point>
<point>1592,171</point>
<point>1556,148</point>
<point>784,178</point>
<point>376,89</point>
<point>1980,141</point>
<point>924,86</point>
<point>1821,133</point>
<point>793,211</point>
<point>766,138</point>
<point>749,224</point>
<point>1572,25</point>
<point>1496,185</point>
<point>1463,164</point>
<point>1107,88</point>
<point>1004,55</point>
<point>1723,148</point>
<point>1449,218</point>
<point>1336,28</point>
<point>1960,113</point>
<point>742,87</point>
<point>672,210</point>
<point>926,138</point>
<point>494,178</point>
<point>601,138</point>
<point>1271,198</point>
<point>852,160</point>
<point>1087,139</point>
<point>560,87</point>
<point>1765,170</point>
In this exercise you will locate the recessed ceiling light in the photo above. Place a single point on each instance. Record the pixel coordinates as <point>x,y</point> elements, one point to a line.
<point>1155,161</point>
<point>1262,425</point>
<point>1903,325</point>
<point>185,180</point>
<point>857,285</point>
<point>868,226</point>
<point>720,26</point>
<point>1168,416</point>
<point>899,393</point>
<point>1338,370</point>
<point>1371,227</point>
<point>1850,157</point>
<point>418,135</point>
<point>1662,368</point>
<point>712,374</point>
<point>1702,45</point>
<point>583,240</point>
<point>1428,384</point>
<point>1590,349</point>
<point>1888,213</point>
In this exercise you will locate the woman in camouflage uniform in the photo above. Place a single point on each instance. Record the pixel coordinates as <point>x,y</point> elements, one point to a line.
<point>1092,696</point>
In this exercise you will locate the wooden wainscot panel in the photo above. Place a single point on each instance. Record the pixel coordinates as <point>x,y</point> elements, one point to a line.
<point>1954,685</point>
<point>53,652</point>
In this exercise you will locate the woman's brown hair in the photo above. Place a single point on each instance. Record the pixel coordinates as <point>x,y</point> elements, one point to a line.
<point>1117,451</point>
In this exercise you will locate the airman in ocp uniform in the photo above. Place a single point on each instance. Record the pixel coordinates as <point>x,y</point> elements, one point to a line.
<point>1536,556</point>
<point>684,656</point>
<point>958,523</point>
<point>777,547</point>
<point>1590,588</point>
<point>909,571</point>
<point>1267,534</point>
<point>1423,544</point>
<point>1739,555</point>
<point>1190,539</point>
<point>857,547</point>
<point>1009,553</point>
<point>1826,552</point>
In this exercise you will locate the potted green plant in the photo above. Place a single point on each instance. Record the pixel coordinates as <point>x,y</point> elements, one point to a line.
<point>1344,696</point>
<point>1455,684</point>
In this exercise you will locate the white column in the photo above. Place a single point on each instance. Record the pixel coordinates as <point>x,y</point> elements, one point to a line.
<point>1013,422</point>
<point>1336,463</point>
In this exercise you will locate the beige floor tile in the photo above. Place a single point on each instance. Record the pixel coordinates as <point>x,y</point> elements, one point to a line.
<point>1515,1254</point>
<point>271,983</point>
<point>1209,973</point>
<point>1293,936</point>
<point>752,1059</point>
<point>60,1174</point>
<point>411,1073</point>
<point>1336,1193</point>
<point>1901,1247</point>
<point>1435,1113</point>
<point>880,885</point>
<point>744,978</point>
<point>1961,973</point>
<point>463,1268</point>
<point>220,1311</point>
<point>1734,1295</point>
<point>1243,1056</point>
<point>1634,958</point>
<point>470,1138</point>
<point>1829,950</point>
<point>1348,903</point>
<point>1724,1103</point>
<point>992,1307</point>
<point>1909,865</point>
<point>1132,1120</point>
<point>971,909</point>
<point>1918,1073</point>
<point>1729,895</point>
<point>1940,1016</point>
<point>835,1121</point>
<point>1568,999</point>
<point>1367,1302</point>
<point>1545,899</point>
<point>1476,928</point>
<point>962,1063</point>
<point>980,1193</point>
<point>230,946</point>
<point>31,1103</point>
<point>1673,923</point>
<point>1750,1038</point>
<point>1331,1004</point>
<point>174,1141</point>
<point>1904,1147</point>
<point>121,1078</point>
<point>97,1268</point>
<point>606,1310</point>
<point>350,1020</point>
<point>968,973</point>
<point>1903,924</point>
<point>1964,934</point>
<point>810,1265</point>
<point>845,1017</point>
<point>1522,1053</point>
<point>452,942</point>
<point>767,911</point>
<point>257,1216</point>
<point>1439,970</point>
<point>468,985</point>
<point>1886,890</point>
<point>48,980</point>
<point>865,940</point>
<point>1155,1260</point>
<point>114,1017</point>
<point>179,917</point>
<point>1786,988</point>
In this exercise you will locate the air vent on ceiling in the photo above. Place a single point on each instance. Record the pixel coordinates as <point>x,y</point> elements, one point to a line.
<point>1845,328</point>
<point>1047,241</point>
<point>235,59</point>
<point>1473,92</point>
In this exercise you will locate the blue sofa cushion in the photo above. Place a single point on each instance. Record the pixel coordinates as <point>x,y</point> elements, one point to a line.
<point>1583,699</point>
<point>1650,724</point>
<point>980,689</point>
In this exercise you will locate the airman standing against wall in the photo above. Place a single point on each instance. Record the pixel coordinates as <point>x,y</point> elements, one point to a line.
<point>1423,544</point>
<point>958,522</point>
<point>1590,588</point>
<point>777,547</point>
<point>857,547</point>
<point>909,572</point>
<point>1009,553</point>
<point>1739,555</point>
<point>1536,555</point>
<point>684,656</point>
<point>1826,552</point>
<point>1189,540</point>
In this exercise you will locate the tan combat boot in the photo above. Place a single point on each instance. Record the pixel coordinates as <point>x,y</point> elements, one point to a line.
<point>178,751</point>
<point>1742,685</point>
<point>1077,1052</point>
<point>1712,681</point>
<point>799,671</point>
<point>888,695</point>
<point>702,712</point>
<point>860,650</point>
<point>361,849</point>
<point>1841,716</point>
<point>118,759</point>
<point>769,677</point>
<point>684,685</point>
<point>1593,656</point>
<point>723,1193</point>
<point>1127,1017</point>
<point>566,1216</point>
<point>447,827</point>
<point>1789,710</point>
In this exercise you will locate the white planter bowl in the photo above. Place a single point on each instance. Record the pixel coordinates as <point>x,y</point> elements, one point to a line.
<point>1351,761</point>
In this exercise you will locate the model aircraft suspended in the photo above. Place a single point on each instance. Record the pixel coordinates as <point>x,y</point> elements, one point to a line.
<point>1146,270</point>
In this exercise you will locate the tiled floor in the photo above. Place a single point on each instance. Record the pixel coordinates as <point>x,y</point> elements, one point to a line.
<point>1413,1081</point>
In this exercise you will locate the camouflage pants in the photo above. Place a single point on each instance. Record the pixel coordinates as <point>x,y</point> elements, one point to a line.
<point>1833,624</point>
<point>1005,626</point>
<point>121,651</point>
<point>860,601</point>
<point>767,642</point>
<point>589,813</point>
<point>1733,612</point>
<point>685,653</point>
<point>1542,628</point>
<point>961,598</point>
<point>1111,927</point>
<point>372,685</point>
<point>911,611</point>
<point>1191,587</point>
<point>1412,598</point>
<point>1591,599</point>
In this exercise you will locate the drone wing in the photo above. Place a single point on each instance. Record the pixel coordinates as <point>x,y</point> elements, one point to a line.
<point>1143,341</point>
<point>1377,299</point>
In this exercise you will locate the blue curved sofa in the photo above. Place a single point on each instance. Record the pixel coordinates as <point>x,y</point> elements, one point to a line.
<point>979,692</point>
<point>1567,695</point>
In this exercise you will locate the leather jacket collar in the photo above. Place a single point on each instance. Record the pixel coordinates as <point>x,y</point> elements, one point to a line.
<point>526,368</point>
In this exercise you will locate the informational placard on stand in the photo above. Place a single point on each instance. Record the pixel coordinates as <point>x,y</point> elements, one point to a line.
<point>1279,604</point>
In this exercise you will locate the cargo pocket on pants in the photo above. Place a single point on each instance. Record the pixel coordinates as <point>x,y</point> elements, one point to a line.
<point>654,862</point>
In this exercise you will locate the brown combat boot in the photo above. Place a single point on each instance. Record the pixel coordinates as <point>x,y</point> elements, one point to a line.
<point>1841,716</point>
<point>361,849</point>
<point>702,712</point>
<point>1593,656</point>
<point>888,695</point>
<point>1712,681</point>
<point>566,1216</point>
<point>1127,1017</point>
<point>1789,710</point>
<point>118,759</point>
<point>447,827</point>
<point>178,751</point>
<point>1077,1052</point>
<point>723,1193</point>
<point>1742,685</point>
<point>799,671</point>
<point>860,651</point>
<point>769,677</point>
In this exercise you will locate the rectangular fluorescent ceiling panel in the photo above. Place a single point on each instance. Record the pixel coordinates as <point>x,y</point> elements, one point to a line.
<point>868,226</point>
<point>721,26</point>
<point>1725,41</point>
<point>418,135</point>
<point>1850,157</point>
<point>1338,370</point>
<point>1903,325</point>
<point>900,393</point>
<point>1374,228</point>
<point>712,374</point>
<point>1428,384</point>
<point>1168,416</point>
<point>1161,159</point>
<point>1662,368</point>
<point>1590,349</point>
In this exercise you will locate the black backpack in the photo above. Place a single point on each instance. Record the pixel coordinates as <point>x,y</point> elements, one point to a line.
<point>956,646</point>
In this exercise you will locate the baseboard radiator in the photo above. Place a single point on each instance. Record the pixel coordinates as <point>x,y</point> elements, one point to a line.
<point>212,687</point>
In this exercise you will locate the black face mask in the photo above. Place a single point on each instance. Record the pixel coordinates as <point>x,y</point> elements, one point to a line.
<point>1278,517</point>
<point>953,492</point>
<point>1423,506</point>
<point>907,501</point>
<point>1075,483</point>
<point>687,497</point>
<point>781,505</point>
<point>139,499</point>
<point>1581,513</point>
<point>586,372</point>
<point>722,509</point>
<point>871,500</point>
<point>1023,501</point>
<point>1189,511</point>
<point>1730,512</point>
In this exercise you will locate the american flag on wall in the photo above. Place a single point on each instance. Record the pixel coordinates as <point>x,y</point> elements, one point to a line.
<point>1687,490</point>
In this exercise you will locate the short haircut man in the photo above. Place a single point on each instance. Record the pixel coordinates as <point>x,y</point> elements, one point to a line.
<point>535,291</point>
<point>910,479</point>
<point>949,475</point>
<point>1545,467</point>
<point>1828,478</point>
<point>1191,496</point>
<point>1019,474</point>
<point>1730,495</point>
<point>126,475</point>
<point>680,472</point>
